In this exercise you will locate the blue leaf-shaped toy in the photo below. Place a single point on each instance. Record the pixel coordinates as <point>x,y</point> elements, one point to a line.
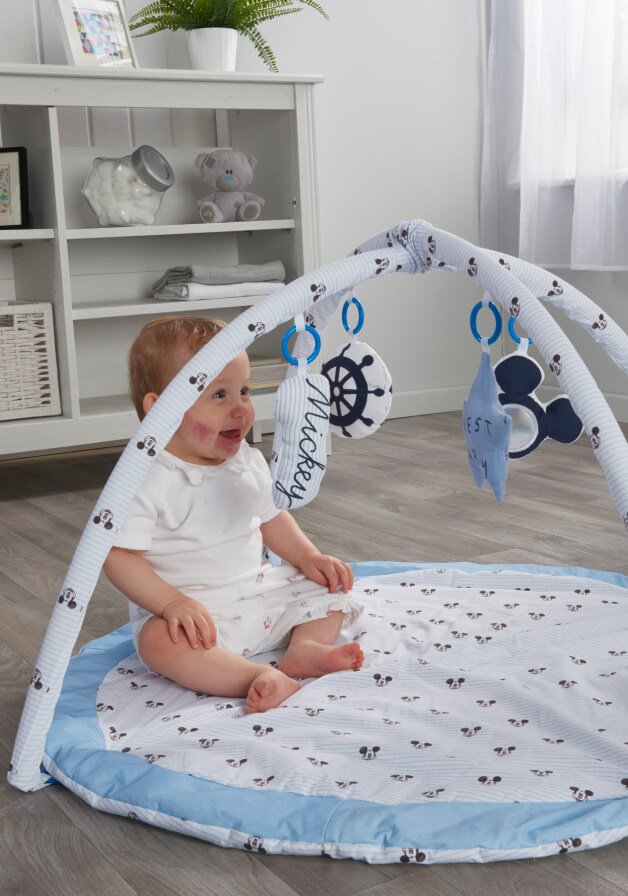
<point>487,430</point>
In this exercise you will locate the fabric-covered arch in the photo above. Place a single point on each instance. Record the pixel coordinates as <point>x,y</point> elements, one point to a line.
<point>411,247</point>
<point>113,503</point>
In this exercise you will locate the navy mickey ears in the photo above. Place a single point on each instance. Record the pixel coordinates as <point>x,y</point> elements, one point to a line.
<point>518,376</point>
<point>563,424</point>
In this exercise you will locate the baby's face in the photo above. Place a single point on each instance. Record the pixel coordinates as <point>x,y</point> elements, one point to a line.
<point>213,428</point>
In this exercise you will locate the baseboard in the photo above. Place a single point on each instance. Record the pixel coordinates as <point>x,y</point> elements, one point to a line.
<point>428,401</point>
<point>434,401</point>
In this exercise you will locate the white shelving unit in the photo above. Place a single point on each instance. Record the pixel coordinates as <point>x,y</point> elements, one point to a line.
<point>97,278</point>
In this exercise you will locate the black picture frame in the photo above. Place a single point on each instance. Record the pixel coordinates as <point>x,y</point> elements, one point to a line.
<point>13,188</point>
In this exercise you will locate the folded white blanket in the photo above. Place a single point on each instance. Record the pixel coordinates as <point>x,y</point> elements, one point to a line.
<point>192,291</point>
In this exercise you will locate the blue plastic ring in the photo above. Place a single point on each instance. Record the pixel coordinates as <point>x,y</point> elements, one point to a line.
<point>498,322</point>
<point>286,338</point>
<point>513,335</point>
<point>345,311</point>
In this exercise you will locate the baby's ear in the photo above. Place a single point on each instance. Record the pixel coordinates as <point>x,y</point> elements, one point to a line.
<point>148,401</point>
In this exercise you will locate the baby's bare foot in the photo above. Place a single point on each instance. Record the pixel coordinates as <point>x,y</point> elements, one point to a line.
<point>309,659</point>
<point>269,688</point>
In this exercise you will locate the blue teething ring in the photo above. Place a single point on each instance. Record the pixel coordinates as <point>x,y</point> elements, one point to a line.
<point>286,338</point>
<point>513,335</point>
<point>498,322</point>
<point>345,311</point>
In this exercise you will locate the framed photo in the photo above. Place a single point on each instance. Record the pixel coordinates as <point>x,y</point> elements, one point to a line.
<point>13,188</point>
<point>96,33</point>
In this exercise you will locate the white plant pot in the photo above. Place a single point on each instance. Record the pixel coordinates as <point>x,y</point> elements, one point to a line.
<point>213,49</point>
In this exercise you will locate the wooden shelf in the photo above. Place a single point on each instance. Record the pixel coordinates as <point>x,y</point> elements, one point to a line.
<point>100,233</point>
<point>106,405</point>
<point>138,307</point>
<point>67,85</point>
<point>23,236</point>
<point>120,407</point>
<point>98,279</point>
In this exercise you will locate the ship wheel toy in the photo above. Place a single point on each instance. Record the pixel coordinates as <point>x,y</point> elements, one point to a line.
<point>360,385</point>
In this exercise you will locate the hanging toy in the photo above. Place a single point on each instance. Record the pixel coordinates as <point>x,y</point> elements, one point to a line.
<point>485,424</point>
<point>359,383</point>
<point>518,376</point>
<point>301,409</point>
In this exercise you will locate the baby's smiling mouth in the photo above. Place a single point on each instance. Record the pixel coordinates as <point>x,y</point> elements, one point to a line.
<point>231,434</point>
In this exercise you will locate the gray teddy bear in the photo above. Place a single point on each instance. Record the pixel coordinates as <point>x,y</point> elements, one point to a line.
<point>228,173</point>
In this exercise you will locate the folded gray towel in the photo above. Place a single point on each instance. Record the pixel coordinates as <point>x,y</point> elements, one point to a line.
<point>238,273</point>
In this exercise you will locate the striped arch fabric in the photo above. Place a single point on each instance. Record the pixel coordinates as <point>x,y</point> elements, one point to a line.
<point>412,247</point>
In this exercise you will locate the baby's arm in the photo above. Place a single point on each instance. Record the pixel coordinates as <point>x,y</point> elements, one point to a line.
<point>284,538</point>
<point>134,576</point>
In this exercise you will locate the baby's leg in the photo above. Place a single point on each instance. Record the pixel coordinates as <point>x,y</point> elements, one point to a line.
<point>311,652</point>
<point>213,671</point>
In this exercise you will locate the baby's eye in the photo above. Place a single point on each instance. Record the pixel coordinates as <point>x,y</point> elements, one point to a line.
<point>219,393</point>
<point>245,391</point>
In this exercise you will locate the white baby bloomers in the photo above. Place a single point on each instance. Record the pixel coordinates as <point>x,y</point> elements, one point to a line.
<point>199,528</point>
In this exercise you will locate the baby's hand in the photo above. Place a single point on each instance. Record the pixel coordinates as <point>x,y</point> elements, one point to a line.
<point>193,618</point>
<point>327,570</point>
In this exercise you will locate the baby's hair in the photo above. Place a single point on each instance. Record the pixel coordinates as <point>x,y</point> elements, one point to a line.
<point>161,349</point>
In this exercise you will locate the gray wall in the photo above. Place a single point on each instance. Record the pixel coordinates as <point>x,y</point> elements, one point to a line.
<point>399,136</point>
<point>399,131</point>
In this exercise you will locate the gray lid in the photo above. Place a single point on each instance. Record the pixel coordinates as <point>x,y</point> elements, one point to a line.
<point>152,168</point>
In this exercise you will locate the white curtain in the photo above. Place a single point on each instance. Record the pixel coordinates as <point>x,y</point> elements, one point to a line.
<point>555,157</point>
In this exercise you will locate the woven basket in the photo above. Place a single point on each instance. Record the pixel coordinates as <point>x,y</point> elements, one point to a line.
<point>29,385</point>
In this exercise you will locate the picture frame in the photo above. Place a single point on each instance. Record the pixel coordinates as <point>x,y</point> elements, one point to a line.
<point>96,33</point>
<point>13,188</point>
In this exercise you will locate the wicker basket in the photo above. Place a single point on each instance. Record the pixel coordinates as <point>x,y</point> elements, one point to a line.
<point>29,385</point>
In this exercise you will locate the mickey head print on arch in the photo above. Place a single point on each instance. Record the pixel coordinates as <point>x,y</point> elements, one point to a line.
<point>148,444</point>
<point>68,597</point>
<point>258,328</point>
<point>37,681</point>
<point>104,518</point>
<point>199,380</point>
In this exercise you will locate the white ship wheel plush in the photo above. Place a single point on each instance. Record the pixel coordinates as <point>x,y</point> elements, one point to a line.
<point>360,386</point>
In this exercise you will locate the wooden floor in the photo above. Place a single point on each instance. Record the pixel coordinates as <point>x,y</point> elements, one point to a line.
<point>403,494</point>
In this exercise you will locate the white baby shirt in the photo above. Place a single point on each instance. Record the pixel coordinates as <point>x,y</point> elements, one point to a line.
<point>198,526</point>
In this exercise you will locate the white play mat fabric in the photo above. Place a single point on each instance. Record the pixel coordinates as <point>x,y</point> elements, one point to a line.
<point>480,686</point>
<point>470,664</point>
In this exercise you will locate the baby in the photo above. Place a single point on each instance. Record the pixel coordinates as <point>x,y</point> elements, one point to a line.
<point>189,554</point>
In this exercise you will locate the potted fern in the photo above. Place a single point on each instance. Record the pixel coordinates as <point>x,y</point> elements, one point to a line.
<point>214,24</point>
